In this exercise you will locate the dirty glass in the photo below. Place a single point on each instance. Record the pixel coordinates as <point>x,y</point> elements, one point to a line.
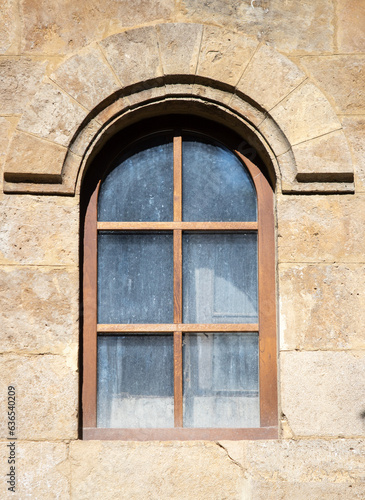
<point>135,277</point>
<point>220,380</point>
<point>135,381</point>
<point>140,187</point>
<point>220,278</point>
<point>216,185</point>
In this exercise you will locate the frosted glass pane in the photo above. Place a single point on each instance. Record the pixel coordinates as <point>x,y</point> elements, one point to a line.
<point>140,188</point>
<point>220,278</point>
<point>135,277</point>
<point>220,382</point>
<point>135,381</point>
<point>216,185</point>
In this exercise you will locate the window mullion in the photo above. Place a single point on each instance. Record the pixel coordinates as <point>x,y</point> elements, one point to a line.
<point>178,394</point>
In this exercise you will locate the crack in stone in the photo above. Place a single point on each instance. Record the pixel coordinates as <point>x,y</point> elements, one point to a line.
<point>229,456</point>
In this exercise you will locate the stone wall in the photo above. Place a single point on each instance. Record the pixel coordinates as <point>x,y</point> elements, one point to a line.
<point>302,67</point>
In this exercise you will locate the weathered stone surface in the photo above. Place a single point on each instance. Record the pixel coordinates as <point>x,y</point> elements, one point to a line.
<point>354,127</point>
<point>269,77</point>
<point>274,136</point>
<point>301,469</point>
<point>134,55</point>
<point>162,470</point>
<point>38,230</point>
<point>6,127</point>
<point>33,159</point>
<point>321,228</point>
<point>46,395</point>
<point>85,137</point>
<point>350,26</point>
<point>252,114</point>
<point>39,309</point>
<point>179,47</point>
<point>341,78</point>
<point>322,392</point>
<point>47,30</point>
<point>304,27</point>
<point>9,26</point>
<point>19,81</point>
<point>52,115</point>
<point>42,471</point>
<point>87,78</point>
<point>305,114</point>
<point>224,55</point>
<point>325,158</point>
<point>322,306</point>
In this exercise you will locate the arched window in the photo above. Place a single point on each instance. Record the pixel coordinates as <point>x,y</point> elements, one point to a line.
<point>179,288</point>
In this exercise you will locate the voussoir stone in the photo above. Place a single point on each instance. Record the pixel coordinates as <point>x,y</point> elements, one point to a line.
<point>179,47</point>
<point>180,471</point>
<point>42,470</point>
<point>46,393</point>
<point>269,77</point>
<point>315,301</point>
<point>224,55</point>
<point>341,77</point>
<point>32,159</point>
<point>19,81</point>
<point>134,55</point>
<point>322,392</point>
<point>305,114</point>
<point>86,77</point>
<point>325,158</point>
<point>52,115</point>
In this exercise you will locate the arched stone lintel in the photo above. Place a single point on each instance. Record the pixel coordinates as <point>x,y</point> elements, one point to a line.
<point>268,94</point>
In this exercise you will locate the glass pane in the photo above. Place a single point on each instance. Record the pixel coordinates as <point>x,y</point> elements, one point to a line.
<point>220,278</point>
<point>140,188</point>
<point>216,185</point>
<point>135,277</point>
<point>221,383</point>
<point>135,381</point>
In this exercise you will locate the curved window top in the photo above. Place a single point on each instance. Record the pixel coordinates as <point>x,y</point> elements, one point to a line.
<point>216,186</point>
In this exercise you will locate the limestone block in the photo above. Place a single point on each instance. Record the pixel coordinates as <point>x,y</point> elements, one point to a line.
<point>9,26</point>
<point>19,81</point>
<point>85,137</point>
<point>322,306</point>
<point>86,77</point>
<point>274,136</point>
<point>39,230</point>
<point>354,127</point>
<point>269,77</point>
<point>46,396</point>
<point>179,47</point>
<point>341,78</point>
<point>39,309</point>
<point>33,159</point>
<point>249,112</point>
<point>163,470</point>
<point>47,30</point>
<point>224,55</point>
<point>41,471</point>
<point>322,393</point>
<point>301,469</point>
<point>134,55</point>
<point>325,158</point>
<point>350,26</point>
<point>52,115</point>
<point>5,136</point>
<point>305,114</point>
<point>302,27</point>
<point>321,228</point>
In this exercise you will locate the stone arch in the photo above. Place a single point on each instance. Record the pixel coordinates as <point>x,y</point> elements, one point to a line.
<point>224,74</point>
